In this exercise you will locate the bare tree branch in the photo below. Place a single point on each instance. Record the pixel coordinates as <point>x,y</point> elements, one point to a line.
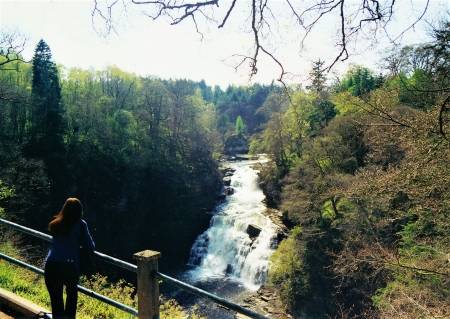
<point>355,18</point>
<point>165,6</point>
<point>414,24</point>
<point>12,44</point>
<point>228,14</point>
<point>107,18</point>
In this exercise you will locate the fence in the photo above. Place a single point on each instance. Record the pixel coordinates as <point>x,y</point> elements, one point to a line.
<point>148,278</point>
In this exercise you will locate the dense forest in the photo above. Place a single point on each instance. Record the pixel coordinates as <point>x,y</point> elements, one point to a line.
<point>139,152</point>
<point>358,169</point>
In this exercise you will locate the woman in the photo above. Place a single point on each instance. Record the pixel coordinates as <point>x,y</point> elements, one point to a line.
<point>62,262</point>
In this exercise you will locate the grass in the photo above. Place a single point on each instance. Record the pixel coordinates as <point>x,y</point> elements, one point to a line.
<point>31,286</point>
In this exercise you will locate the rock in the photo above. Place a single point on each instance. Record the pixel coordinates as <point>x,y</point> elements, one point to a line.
<point>227,171</point>
<point>221,196</point>
<point>229,269</point>
<point>227,181</point>
<point>229,190</point>
<point>253,230</point>
<point>236,144</point>
<point>241,158</point>
<point>278,219</point>
<point>266,302</point>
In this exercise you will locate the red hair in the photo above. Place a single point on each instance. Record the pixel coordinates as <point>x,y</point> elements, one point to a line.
<point>71,212</point>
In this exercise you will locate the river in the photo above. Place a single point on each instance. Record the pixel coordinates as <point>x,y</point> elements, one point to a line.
<point>225,260</point>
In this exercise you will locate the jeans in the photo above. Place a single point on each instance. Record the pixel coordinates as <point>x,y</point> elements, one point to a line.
<point>57,275</point>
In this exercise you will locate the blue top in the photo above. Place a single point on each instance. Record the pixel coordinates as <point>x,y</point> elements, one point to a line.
<point>65,248</point>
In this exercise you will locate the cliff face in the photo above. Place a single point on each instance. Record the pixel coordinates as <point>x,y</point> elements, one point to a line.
<point>236,144</point>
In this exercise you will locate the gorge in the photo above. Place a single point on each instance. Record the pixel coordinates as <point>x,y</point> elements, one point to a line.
<point>231,257</point>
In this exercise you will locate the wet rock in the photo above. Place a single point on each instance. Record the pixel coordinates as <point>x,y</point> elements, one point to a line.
<point>229,269</point>
<point>227,181</point>
<point>227,171</point>
<point>278,219</point>
<point>229,190</point>
<point>221,196</point>
<point>253,231</point>
<point>274,242</point>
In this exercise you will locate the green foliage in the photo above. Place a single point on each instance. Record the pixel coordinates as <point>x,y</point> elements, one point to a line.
<point>287,127</point>
<point>5,192</point>
<point>414,89</point>
<point>245,102</point>
<point>360,174</point>
<point>46,122</point>
<point>15,87</point>
<point>256,146</point>
<point>359,81</point>
<point>336,211</point>
<point>296,232</point>
<point>240,127</point>
<point>287,273</point>
<point>124,136</point>
<point>32,287</point>
<point>318,77</point>
<point>370,193</point>
<point>346,206</point>
<point>346,104</point>
<point>270,182</point>
<point>327,210</point>
<point>320,116</point>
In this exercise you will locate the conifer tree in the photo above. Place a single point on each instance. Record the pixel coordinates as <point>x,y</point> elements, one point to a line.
<point>46,120</point>
<point>318,78</point>
<point>239,126</point>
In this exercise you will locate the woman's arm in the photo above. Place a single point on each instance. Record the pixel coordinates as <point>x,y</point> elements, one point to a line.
<point>88,235</point>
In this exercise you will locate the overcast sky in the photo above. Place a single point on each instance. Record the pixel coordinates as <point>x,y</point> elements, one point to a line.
<point>148,47</point>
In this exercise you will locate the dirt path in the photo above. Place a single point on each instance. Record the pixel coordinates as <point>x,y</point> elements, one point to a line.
<point>5,314</point>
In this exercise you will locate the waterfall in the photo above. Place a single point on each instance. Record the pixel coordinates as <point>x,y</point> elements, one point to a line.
<point>226,249</point>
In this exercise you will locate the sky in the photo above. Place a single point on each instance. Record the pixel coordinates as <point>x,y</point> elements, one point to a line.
<point>149,47</point>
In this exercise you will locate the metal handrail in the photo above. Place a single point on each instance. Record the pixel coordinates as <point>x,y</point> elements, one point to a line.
<point>83,290</point>
<point>46,237</point>
<point>210,296</point>
<point>133,268</point>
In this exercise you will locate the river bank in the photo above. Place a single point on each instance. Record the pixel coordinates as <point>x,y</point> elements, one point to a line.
<point>265,301</point>
<point>231,258</point>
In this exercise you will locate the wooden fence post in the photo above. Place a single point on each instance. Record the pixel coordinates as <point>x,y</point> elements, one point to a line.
<point>148,285</point>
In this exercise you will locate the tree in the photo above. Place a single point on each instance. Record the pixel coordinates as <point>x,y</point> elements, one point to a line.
<point>14,97</point>
<point>277,142</point>
<point>296,119</point>
<point>423,73</point>
<point>317,77</point>
<point>12,44</point>
<point>362,19</point>
<point>239,126</point>
<point>47,114</point>
<point>320,116</point>
<point>359,81</point>
<point>13,93</point>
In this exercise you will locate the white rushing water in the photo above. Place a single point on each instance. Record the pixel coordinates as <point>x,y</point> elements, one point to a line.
<point>226,250</point>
